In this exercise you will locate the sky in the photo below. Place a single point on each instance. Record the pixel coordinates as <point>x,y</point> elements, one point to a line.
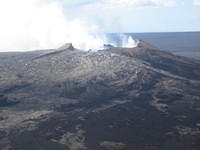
<point>140,15</point>
<point>42,24</point>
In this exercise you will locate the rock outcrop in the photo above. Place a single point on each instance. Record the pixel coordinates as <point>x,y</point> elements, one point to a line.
<point>67,46</point>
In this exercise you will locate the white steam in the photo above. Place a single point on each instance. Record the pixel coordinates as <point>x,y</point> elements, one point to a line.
<point>123,40</point>
<point>128,41</point>
<point>32,24</point>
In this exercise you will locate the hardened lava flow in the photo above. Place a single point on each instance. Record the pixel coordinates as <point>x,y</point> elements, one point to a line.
<point>138,98</point>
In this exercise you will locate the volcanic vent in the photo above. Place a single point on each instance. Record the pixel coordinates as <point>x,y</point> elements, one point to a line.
<point>116,98</point>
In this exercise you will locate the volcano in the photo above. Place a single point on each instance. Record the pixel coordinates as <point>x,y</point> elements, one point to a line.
<point>139,98</point>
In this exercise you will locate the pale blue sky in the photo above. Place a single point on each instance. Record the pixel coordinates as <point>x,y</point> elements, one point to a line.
<point>149,16</point>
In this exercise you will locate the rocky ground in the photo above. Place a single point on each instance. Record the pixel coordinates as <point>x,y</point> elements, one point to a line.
<point>116,99</point>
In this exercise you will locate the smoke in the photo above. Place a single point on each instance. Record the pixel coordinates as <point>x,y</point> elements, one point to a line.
<point>122,40</point>
<point>32,25</point>
<point>128,41</point>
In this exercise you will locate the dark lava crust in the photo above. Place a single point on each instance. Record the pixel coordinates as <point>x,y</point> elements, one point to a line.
<point>116,99</point>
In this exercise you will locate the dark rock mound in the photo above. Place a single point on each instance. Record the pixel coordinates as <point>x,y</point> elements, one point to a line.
<point>176,65</point>
<point>121,98</point>
<point>67,46</point>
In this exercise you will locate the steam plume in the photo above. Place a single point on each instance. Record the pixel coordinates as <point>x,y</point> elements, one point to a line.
<point>32,25</point>
<point>128,41</point>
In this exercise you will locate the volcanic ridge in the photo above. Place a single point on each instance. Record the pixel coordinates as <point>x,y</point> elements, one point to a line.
<point>139,98</point>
